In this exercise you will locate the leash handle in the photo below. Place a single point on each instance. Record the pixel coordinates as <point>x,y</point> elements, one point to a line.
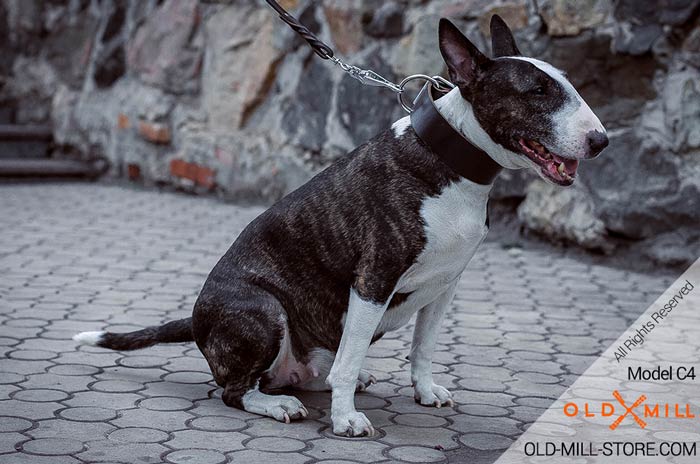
<point>321,49</point>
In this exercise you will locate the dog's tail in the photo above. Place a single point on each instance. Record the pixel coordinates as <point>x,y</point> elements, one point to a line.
<point>171,332</point>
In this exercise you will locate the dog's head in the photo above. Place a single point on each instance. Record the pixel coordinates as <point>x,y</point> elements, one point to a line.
<point>524,110</point>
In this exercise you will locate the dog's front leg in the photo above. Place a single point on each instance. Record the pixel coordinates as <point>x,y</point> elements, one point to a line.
<point>428,323</point>
<point>360,324</point>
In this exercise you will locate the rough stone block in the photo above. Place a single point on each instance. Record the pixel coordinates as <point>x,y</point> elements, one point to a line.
<point>163,52</point>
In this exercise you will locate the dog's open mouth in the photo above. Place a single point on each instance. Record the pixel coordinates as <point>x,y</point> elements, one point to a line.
<point>560,170</point>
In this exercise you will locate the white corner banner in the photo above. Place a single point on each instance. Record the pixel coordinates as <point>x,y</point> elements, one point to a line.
<point>639,402</point>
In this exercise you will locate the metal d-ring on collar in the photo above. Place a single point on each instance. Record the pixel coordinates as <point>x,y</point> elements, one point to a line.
<point>439,83</point>
<point>462,156</point>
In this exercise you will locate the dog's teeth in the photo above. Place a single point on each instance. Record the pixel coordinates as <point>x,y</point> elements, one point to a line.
<point>560,169</point>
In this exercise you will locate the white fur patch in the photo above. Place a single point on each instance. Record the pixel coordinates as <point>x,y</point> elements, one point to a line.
<point>455,225</point>
<point>574,120</point>
<point>400,126</point>
<point>89,338</point>
<point>459,112</point>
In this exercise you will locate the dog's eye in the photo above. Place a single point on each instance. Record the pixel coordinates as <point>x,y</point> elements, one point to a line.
<point>538,90</point>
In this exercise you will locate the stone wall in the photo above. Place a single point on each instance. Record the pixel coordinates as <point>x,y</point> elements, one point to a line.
<point>221,96</point>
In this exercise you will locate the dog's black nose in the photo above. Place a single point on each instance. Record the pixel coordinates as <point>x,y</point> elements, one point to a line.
<point>596,142</point>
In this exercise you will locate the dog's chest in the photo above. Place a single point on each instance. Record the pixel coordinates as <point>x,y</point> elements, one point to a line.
<point>454,226</point>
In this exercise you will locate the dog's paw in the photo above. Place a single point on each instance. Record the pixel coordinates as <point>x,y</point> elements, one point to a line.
<point>286,409</point>
<point>433,395</point>
<point>364,380</point>
<point>352,424</point>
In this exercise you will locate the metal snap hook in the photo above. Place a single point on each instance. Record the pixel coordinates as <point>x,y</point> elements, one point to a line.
<point>437,82</point>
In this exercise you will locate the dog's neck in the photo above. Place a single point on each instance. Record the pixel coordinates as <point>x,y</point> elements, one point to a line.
<point>459,112</point>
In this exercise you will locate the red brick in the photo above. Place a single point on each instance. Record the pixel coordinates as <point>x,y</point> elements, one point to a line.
<point>206,177</point>
<point>178,168</point>
<point>154,132</point>
<point>123,121</point>
<point>201,175</point>
<point>133,171</point>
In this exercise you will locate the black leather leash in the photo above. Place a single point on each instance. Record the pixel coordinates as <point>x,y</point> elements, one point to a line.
<point>321,49</point>
<point>445,141</point>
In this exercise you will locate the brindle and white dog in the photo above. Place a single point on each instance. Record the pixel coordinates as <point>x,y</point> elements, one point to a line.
<point>380,235</point>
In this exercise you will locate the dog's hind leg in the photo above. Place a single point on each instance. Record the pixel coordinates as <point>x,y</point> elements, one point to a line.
<point>284,408</point>
<point>241,341</point>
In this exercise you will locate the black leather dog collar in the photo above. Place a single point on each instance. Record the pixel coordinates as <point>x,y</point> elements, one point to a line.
<point>448,144</point>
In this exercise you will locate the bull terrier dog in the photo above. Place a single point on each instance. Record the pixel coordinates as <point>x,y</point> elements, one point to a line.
<point>383,233</point>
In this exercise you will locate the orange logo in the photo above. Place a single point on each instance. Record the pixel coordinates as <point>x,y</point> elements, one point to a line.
<point>629,410</point>
<point>608,409</point>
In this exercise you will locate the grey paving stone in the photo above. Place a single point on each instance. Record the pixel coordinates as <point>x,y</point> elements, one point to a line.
<point>493,399</point>
<point>100,399</point>
<point>198,456</point>
<point>24,367</point>
<point>526,413</point>
<point>502,425</point>
<point>304,430</point>
<point>247,456</point>
<point>336,461</point>
<point>9,441</point>
<point>509,345</point>
<point>88,414</point>
<point>536,377</point>
<point>166,403</point>
<point>40,395</point>
<point>484,410</point>
<point>53,446</point>
<point>111,450</point>
<point>417,454</point>
<point>29,410</point>
<point>14,424</point>
<point>482,385</point>
<point>222,441</point>
<point>484,441</point>
<point>168,421</point>
<point>534,402</point>
<point>420,420</point>
<point>11,378</point>
<point>431,437</point>
<point>22,458</point>
<point>275,444</point>
<point>188,377</point>
<point>60,428</point>
<point>337,448</point>
<point>217,424</point>
<point>138,435</point>
<point>142,361</point>
<point>73,369</point>
<point>58,382</point>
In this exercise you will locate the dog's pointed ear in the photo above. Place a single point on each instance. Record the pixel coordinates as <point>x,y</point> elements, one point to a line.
<point>502,41</point>
<point>463,59</point>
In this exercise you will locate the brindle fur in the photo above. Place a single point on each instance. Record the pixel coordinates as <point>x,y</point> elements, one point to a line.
<point>357,224</point>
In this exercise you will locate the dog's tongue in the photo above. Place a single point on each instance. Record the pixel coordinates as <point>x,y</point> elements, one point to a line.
<point>570,165</point>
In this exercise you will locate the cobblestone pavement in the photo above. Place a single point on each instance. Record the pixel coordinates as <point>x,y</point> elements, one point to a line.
<point>77,257</point>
